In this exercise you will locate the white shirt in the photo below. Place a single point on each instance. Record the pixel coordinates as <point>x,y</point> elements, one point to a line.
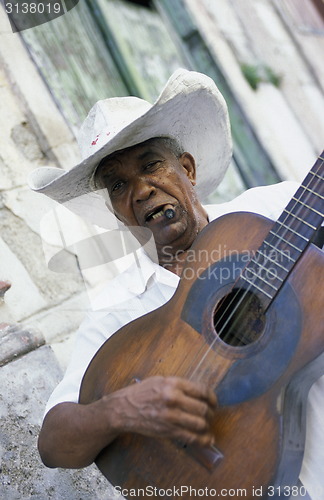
<point>146,286</point>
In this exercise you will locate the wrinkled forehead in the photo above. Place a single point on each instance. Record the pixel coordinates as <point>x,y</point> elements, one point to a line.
<point>137,152</point>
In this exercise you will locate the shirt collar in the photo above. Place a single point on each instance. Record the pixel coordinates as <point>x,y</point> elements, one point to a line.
<point>144,269</point>
<point>140,272</point>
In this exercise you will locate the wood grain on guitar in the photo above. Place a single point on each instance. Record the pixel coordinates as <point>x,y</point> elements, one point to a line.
<point>250,328</point>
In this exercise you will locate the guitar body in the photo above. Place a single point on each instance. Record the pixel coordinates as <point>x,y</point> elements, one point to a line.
<point>261,385</point>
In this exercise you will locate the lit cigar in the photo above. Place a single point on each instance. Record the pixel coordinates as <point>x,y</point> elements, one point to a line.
<point>168,212</point>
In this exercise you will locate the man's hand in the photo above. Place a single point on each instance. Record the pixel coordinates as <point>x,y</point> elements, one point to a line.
<point>171,407</point>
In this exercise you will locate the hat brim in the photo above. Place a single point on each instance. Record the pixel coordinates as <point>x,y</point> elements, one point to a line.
<point>190,109</point>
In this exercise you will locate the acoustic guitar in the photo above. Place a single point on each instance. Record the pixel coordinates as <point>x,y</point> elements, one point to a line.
<point>249,323</point>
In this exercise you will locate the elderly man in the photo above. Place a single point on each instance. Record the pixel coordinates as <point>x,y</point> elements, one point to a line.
<point>155,162</point>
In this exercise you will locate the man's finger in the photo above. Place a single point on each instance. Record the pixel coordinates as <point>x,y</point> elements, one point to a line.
<point>195,390</point>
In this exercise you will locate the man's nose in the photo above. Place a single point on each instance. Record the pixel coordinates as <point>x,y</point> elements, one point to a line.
<point>143,190</point>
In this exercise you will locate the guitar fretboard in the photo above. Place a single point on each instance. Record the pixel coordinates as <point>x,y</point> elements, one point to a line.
<point>289,237</point>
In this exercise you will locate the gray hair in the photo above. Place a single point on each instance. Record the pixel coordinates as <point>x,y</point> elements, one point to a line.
<point>171,144</point>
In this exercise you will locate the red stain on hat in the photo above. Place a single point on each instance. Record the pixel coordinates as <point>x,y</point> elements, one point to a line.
<point>95,141</point>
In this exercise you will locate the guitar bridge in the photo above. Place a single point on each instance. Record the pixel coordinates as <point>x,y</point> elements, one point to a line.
<point>208,457</point>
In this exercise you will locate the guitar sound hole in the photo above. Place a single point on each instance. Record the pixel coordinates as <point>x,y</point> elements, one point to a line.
<point>239,318</point>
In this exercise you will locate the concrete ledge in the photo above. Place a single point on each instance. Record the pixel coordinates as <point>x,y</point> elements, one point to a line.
<point>16,340</point>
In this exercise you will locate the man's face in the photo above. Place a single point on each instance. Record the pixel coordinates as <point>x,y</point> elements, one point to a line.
<point>142,180</point>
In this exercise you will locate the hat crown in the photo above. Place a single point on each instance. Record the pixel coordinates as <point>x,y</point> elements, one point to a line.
<point>106,119</point>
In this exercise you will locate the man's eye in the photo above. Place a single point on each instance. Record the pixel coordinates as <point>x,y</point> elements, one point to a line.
<point>117,186</point>
<point>152,165</point>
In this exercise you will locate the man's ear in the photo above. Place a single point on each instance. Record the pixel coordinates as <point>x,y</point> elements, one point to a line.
<point>189,164</point>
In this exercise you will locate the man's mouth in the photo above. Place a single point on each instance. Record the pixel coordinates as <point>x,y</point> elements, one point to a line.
<point>155,215</point>
<point>164,210</point>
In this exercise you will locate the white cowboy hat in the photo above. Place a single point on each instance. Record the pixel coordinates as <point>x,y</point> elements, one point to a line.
<point>190,109</point>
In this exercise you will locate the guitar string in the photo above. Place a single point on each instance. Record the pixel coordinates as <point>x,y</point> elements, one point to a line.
<point>276,235</point>
<point>298,225</point>
<point>240,314</point>
<point>235,309</point>
<point>209,347</point>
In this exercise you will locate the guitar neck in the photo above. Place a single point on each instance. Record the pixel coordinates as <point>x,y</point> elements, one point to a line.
<point>289,237</point>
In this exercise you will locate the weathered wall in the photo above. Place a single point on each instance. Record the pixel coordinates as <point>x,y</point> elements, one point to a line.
<point>287,118</point>
<point>33,134</point>
<point>41,306</point>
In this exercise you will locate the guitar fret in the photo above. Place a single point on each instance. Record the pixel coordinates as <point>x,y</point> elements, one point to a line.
<point>301,220</point>
<point>257,287</point>
<point>317,175</point>
<point>286,241</point>
<point>262,279</point>
<point>278,256</point>
<point>268,270</point>
<point>313,192</point>
<point>292,230</point>
<point>273,261</point>
<point>277,250</point>
<point>307,206</point>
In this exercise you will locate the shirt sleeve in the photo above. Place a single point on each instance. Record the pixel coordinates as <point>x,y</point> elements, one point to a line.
<point>93,332</point>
